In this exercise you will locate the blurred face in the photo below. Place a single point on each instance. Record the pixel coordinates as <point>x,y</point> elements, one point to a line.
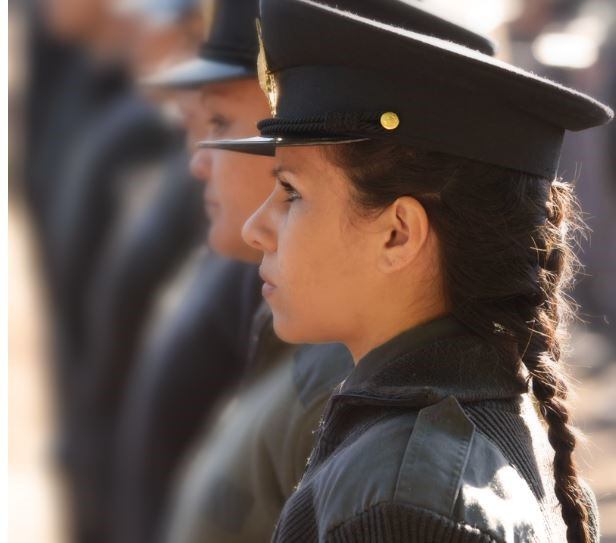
<point>235,184</point>
<point>319,256</point>
<point>74,19</point>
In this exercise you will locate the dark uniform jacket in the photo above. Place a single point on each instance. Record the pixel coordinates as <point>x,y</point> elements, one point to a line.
<point>193,357</point>
<point>431,438</point>
<point>237,481</point>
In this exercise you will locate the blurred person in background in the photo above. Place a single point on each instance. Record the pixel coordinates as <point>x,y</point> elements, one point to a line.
<point>248,460</point>
<point>192,354</point>
<point>156,228</point>
<point>97,155</point>
<point>157,302</point>
<point>166,31</point>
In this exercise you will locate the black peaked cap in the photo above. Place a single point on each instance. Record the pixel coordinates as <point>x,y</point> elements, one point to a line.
<point>230,50</point>
<point>334,76</point>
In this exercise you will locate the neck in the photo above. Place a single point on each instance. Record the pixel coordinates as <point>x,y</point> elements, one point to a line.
<point>380,330</point>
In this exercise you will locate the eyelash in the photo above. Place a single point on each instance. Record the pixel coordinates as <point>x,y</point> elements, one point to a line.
<point>218,123</point>
<point>290,190</point>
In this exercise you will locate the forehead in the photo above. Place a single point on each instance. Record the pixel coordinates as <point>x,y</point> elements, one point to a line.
<point>310,164</point>
<point>237,91</point>
<point>302,157</point>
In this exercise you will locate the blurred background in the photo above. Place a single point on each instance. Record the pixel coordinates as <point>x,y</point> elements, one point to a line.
<point>105,223</point>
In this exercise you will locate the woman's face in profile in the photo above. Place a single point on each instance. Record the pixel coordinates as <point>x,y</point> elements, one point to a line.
<point>319,259</point>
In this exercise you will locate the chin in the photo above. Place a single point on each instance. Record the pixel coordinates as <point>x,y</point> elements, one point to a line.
<point>292,330</point>
<point>287,333</point>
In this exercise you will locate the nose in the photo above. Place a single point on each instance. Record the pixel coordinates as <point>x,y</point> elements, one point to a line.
<point>259,231</point>
<point>200,165</point>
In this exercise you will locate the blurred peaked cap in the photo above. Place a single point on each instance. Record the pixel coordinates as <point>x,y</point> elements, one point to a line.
<point>332,75</point>
<point>195,73</point>
<point>232,29</point>
<point>229,50</point>
<point>159,12</point>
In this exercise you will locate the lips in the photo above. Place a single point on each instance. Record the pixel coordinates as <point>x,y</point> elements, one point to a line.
<point>265,278</point>
<point>209,201</point>
<point>268,287</point>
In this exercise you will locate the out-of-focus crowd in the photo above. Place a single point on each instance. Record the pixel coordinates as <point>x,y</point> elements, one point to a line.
<point>149,331</point>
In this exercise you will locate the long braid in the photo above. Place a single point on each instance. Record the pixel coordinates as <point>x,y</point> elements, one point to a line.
<point>532,306</point>
<point>543,354</point>
<point>504,239</point>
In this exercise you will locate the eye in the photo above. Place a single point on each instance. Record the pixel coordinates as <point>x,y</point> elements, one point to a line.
<point>217,125</point>
<point>292,193</point>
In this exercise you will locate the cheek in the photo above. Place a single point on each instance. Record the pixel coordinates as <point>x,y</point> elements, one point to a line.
<point>194,124</point>
<point>241,184</point>
<point>238,187</point>
<point>321,275</point>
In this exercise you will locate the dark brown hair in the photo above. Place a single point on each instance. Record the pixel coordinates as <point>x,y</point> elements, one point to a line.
<point>505,249</point>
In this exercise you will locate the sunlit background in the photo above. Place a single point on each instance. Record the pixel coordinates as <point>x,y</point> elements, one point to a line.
<point>572,41</point>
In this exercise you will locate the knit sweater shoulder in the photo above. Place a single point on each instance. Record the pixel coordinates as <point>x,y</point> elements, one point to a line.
<point>435,439</point>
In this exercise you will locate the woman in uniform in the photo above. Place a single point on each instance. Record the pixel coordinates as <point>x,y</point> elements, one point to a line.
<point>417,218</point>
<point>250,460</point>
<point>253,456</point>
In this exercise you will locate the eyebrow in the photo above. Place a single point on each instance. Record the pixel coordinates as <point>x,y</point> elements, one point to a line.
<point>212,92</point>
<point>279,169</point>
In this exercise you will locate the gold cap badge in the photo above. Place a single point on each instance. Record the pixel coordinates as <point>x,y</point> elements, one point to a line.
<point>267,80</point>
<point>208,13</point>
<point>389,120</point>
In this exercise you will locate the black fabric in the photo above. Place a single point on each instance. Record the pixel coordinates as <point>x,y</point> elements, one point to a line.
<point>397,524</point>
<point>232,35</point>
<point>232,39</point>
<point>416,16</point>
<point>129,277</point>
<point>124,135</point>
<point>414,370</point>
<point>502,422</point>
<point>300,523</point>
<point>49,62</point>
<point>121,135</point>
<point>183,373</point>
<point>131,274</point>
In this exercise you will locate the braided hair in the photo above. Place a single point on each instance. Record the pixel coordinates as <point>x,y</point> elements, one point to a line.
<point>505,249</point>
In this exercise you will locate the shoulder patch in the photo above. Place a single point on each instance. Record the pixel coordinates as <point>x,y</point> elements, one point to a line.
<point>435,459</point>
<point>318,369</point>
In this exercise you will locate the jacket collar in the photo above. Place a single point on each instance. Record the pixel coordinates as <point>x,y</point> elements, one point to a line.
<point>432,361</point>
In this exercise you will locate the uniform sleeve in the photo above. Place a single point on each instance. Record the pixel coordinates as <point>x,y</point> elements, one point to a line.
<point>389,523</point>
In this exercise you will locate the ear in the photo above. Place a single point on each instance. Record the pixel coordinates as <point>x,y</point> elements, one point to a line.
<point>405,228</point>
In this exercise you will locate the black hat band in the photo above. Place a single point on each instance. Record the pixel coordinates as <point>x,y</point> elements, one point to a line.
<point>342,124</point>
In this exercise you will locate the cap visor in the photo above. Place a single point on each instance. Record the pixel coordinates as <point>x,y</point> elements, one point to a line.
<point>196,72</point>
<point>266,146</point>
